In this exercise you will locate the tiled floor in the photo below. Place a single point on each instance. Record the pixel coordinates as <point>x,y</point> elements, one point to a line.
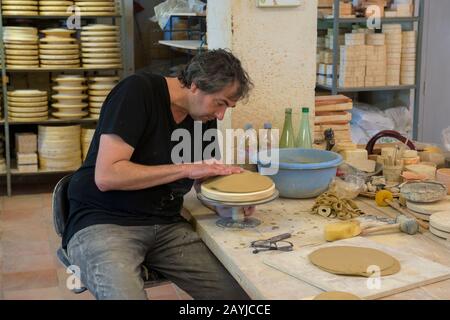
<point>28,265</point>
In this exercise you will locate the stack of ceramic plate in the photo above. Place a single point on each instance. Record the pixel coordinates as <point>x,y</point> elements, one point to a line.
<point>27,105</point>
<point>86,137</point>
<point>68,100</point>
<point>100,46</point>
<point>21,47</point>
<point>59,148</point>
<point>19,7</point>
<point>99,88</point>
<point>96,7</point>
<point>440,224</point>
<point>55,7</point>
<point>58,49</point>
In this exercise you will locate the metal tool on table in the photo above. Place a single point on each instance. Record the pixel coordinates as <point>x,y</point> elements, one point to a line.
<point>237,219</point>
<point>384,198</point>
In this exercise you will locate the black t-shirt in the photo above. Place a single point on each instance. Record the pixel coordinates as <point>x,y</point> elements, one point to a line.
<point>137,110</point>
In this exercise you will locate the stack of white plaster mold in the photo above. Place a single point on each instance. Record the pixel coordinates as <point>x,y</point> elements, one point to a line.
<point>393,34</point>
<point>375,60</point>
<point>352,68</point>
<point>408,67</point>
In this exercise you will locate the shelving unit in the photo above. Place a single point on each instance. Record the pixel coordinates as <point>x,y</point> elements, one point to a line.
<point>124,18</point>
<point>413,23</point>
<point>189,46</point>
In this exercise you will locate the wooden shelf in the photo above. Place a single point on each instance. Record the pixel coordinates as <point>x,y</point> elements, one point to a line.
<point>16,172</point>
<point>184,44</point>
<point>59,69</point>
<point>59,17</point>
<point>363,20</point>
<point>55,121</point>
<point>365,89</point>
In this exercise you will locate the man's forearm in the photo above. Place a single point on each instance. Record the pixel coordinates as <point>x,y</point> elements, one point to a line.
<point>128,176</point>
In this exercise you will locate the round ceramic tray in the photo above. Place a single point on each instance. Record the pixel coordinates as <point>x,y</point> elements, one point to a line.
<point>59,57</point>
<point>26,109</point>
<point>28,114</point>
<point>63,115</point>
<point>100,50</point>
<point>95,3</point>
<point>100,39</point>
<point>27,52</point>
<point>53,9</point>
<point>55,3</point>
<point>69,96</point>
<point>59,52</point>
<point>27,99</point>
<point>19,67</point>
<point>100,45</point>
<point>54,40</point>
<point>27,93</point>
<point>20,2</point>
<point>21,46</point>
<point>58,33</point>
<point>27,104</point>
<point>99,27</point>
<point>60,62</point>
<point>101,66</point>
<point>30,119</point>
<point>439,233</point>
<point>97,99</point>
<point>94,116</point>
<point>65,88</point>
<point>101,61</point>
<point>103,93</point>
<point>97,13</point>
<point>60,66</point>
<point>19,13</point>
<point>22,62</point>
<point>95,110</point>
<point>104,33</point>
<point>18,8</point>
<point>13,59</point>
<point>69,106</point>
<point>113,55</point>
<point>95,105</point>
<point>104,78</point>
<point>55,13</point>
<point>20,41</point>
<point>102,9</point>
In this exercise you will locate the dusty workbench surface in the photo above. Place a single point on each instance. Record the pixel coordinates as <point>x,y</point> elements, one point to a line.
<point>260,281</point>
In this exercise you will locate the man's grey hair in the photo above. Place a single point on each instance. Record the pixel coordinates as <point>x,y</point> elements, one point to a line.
<point>214,70</point>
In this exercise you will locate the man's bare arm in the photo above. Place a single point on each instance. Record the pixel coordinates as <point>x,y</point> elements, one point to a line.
<point>115,171</point>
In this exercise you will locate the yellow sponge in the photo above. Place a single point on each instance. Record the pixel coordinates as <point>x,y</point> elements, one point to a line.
<point>342,230</point>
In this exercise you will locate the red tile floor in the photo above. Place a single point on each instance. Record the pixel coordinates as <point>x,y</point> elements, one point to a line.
<point>29,268</point>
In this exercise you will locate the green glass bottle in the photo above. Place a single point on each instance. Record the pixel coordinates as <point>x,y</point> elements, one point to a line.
<point>287,139</point>
<point>304,139</point>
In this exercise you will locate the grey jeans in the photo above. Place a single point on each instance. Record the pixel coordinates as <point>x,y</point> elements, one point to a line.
<point>110,258</point>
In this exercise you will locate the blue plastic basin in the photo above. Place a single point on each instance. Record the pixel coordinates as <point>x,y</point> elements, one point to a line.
<point>303,173</point>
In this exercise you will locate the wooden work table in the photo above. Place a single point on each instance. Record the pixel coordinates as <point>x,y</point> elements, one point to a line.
<point>260,281</point>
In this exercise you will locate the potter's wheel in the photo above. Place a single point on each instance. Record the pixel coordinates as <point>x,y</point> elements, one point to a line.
<point>237,219</point>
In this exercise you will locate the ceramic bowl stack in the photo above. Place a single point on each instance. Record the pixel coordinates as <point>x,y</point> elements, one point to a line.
<point>27,105</point>
<point>59,49</point>
<point>68,101</point>
<point>100,46</point>
<point>21,47</point>
<point>20,7</point>
<point>59,148</point>
<point>96,7</point>
<point>86,137</point>
<point>99,88</point>
<point>55,7</point>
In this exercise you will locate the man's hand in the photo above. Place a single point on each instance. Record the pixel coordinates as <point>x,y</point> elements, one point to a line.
<point>197,171</point>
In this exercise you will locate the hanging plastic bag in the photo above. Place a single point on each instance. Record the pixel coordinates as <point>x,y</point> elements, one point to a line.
<point>165,9</point>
